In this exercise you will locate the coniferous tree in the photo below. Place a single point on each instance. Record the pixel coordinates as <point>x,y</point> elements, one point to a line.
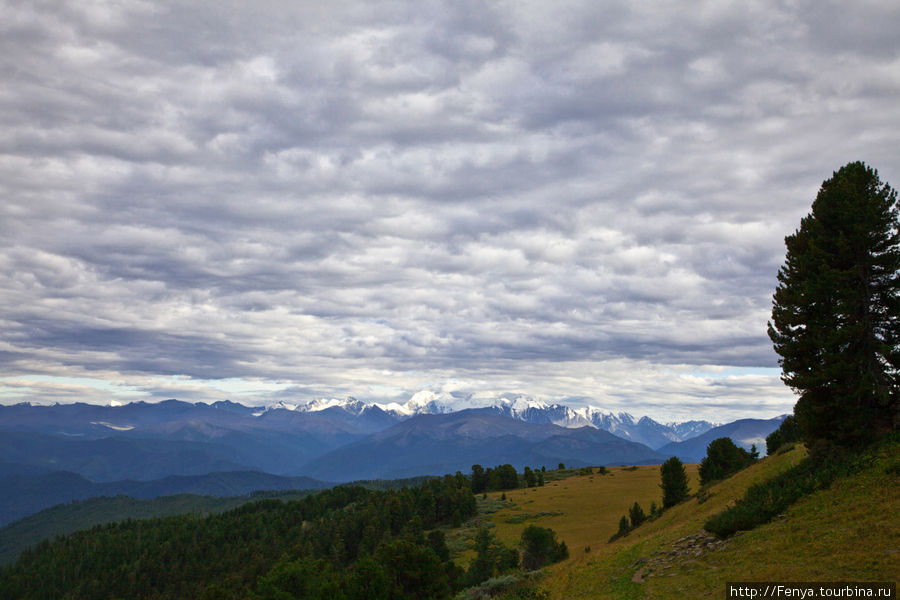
<point>530,479</point>
<point>624,527</point>
<point>723,458</point>
<point>636,515</point>
<point>674,482</point>
<point>479,479</point>
<point>491,558</point>
<point>836,310</point>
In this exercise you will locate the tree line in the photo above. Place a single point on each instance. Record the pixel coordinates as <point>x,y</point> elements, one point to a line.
<point>505,477</point>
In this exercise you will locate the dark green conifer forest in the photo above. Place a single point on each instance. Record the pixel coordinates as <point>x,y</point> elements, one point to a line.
<point>346,542</point>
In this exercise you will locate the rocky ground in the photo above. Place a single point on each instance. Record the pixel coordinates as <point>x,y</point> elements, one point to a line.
<point>683,551</point>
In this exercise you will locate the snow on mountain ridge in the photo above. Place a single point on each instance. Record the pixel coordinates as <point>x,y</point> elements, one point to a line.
<point>428,402</point>
<point>644,430</point>
<point>524,408</point>
<point>284,405</point>
<point>349,404</point>
<point>522,403</point>
<point>423,402</point>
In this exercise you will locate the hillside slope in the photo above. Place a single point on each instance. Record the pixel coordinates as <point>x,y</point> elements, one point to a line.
<point>848,532</point>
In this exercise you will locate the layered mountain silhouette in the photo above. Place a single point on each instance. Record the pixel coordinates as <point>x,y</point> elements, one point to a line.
<point>428,444</point>
<point>83,449</point>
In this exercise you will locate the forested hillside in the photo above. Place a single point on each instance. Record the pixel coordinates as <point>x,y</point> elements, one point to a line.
<point>345,540</point>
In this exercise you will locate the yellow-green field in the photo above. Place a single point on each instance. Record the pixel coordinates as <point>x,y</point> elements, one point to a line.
<point>591,505</point>
<point>849,532</point>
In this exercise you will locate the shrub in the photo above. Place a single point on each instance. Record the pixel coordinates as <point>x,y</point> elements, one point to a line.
<point>539,547</point>
<point>765,500</point>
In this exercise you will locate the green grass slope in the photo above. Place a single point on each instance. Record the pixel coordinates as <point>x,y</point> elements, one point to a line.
<point>847,532</point>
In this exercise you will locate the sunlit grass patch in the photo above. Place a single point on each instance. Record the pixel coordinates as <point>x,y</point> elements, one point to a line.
<point>846,532</point>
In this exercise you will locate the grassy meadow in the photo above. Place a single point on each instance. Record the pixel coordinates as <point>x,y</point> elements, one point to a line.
<point>848,532</point>
<point>584,510</point>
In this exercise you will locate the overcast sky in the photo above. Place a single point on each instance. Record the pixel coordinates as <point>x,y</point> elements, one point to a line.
<point>579,201</point>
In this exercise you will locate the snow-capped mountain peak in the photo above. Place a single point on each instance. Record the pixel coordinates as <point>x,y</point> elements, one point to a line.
<point>284,405</point>
<point>691,429</point>
<point>523,408</point>
<point>644,430</point>
<point>424,402</point>
<point>521,404</point>
<point>348,404</point>
<point>397,409</point>
<point>536,411</point>
<point>320,404</point>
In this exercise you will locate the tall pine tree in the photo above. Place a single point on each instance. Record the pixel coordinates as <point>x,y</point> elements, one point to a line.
<point>674,482</point>
<point>836,310</point>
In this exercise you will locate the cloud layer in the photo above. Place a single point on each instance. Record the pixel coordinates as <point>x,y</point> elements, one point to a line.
<point>566,200</point>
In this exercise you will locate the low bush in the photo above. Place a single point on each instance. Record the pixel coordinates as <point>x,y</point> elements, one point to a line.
<point>539,548</point>
<point>763,501</point>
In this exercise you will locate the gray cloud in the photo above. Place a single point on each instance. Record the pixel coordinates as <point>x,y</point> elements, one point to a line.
<point>568,200</point>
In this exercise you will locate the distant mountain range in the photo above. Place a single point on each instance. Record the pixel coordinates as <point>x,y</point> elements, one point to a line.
<point>445,443</point>
<point>333,440</point>
<point>644,430</point>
